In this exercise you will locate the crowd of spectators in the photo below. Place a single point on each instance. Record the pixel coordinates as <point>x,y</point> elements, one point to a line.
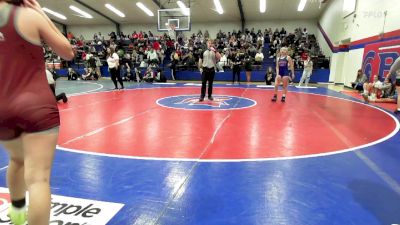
<point>141,50</point>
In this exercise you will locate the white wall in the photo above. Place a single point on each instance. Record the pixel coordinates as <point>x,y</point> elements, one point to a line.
<point>289,25</point>
<point>88,31</point>
<point>367,21</point>
<point>213,28</point>
<point>129,28</point>
<point>324,45</point>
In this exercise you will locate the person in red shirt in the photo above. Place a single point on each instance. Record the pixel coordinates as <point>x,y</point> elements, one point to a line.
<point>29,117</point>
<point>135,35</point>
<point>156,45</point>
<point>304,56</point>
<point>70,35</point>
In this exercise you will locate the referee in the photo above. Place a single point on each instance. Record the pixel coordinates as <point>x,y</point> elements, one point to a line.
<point>207,65</point>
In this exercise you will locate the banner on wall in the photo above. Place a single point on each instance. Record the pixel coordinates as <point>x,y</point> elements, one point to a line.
<point>379,57</point>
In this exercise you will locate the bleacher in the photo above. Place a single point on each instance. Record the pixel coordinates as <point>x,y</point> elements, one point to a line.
<point>190,72</point>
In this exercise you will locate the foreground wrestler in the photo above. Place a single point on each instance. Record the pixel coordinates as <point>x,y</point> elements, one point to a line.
<point>29,117</point>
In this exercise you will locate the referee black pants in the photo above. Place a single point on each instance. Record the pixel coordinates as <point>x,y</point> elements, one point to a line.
<point>207,75</point>
<point>236,72</point>
<point>115,74</point>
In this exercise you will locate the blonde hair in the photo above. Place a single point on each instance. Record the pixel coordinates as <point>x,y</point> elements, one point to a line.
<point>284,49</point>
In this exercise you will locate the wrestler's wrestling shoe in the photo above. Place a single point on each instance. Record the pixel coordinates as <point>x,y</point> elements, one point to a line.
<point>18,216</point>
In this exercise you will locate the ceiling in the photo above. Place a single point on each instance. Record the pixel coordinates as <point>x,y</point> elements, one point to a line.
<point>201,10</point>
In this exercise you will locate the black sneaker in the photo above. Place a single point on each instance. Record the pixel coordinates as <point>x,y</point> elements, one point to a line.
<point>283,99</point>
<point>201,99</point>
<point>210,98</point>
<point>274,98</point>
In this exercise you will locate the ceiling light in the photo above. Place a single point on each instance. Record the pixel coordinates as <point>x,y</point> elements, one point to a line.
<point>263,6</point>
<point>302,4</point>
<point>56,14</point>
<point>114,10</point>
<point>145,9</point>
<point>218,6</point>
<point>184,9</point>
<point>81,12</point>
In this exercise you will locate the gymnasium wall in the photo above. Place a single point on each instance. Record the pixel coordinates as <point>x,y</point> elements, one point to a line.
<point>88,31</point>
<point>345,38</point>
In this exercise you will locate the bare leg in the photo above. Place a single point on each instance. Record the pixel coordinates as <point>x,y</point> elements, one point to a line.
<point>277,83</point>
<point>248,76</point>
<point>15,171</point>
<point>285,84</point>
<point>278,80</point>
<point>39,151</point>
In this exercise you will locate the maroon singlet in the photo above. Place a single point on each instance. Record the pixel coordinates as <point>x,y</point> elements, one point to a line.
<point>26,101</point>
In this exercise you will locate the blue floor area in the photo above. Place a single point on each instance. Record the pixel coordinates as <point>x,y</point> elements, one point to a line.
<point>340,189</point>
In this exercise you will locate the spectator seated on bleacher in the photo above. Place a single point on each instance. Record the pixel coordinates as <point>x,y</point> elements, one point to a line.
<point>149,75</point>
<point>188,60</point>
<point>269,76</point>
<point>160,77</point>
<point>90,74</point>
<point>223,62</point>
<point>127,74</point>
<point>147,47</point>
<point>143,64</point>
<point>72,74</point>
<point>259,58</point>
<point>152,56</point>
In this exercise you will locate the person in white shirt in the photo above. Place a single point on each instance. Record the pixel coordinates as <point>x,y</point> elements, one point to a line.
<point>259,58</point>
<point>222,62</point>
<point>371,90</point>
<point>308,68</point>
<point>207,63</point>
<point>149,75</point>
<point>113,65</point>
<point>260,41</point>
<point>152,56</point>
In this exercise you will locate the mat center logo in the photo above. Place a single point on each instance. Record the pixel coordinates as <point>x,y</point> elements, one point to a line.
<point>220,102</point>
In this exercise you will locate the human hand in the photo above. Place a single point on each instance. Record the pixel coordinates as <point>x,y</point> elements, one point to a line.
<point>33,4</point>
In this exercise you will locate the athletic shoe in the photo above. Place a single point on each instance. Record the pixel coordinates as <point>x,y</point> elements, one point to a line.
<point>210,98</point>
<point>65,99</point>
<point>283,99</point>
<point>18,216</point>
<point>274,98</point>
<point>201,99</point>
